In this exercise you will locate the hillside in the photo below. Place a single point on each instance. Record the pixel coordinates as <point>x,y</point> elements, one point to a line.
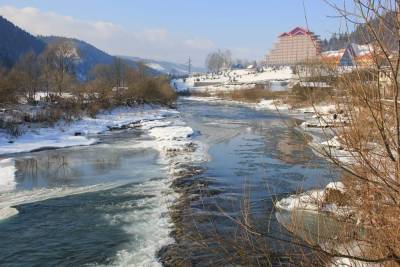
<point>91,56</point>
<point>15,42</point>
<point>88,54</point>
<point>165,66</point>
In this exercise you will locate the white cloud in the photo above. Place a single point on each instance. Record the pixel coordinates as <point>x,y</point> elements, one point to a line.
<point>156,43</point>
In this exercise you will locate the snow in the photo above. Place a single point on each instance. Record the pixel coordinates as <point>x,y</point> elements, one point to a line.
<point>307,201</point>
<point>333,53</point>
<point>320,109</point>
<point>272,105</point>
<point>336,186</point>
<point>7,175</point>
<point>310,201</point>
<point>14,198</point>
<point>156,66</point>
<point>233,79</point>
<point>334,142</point>
<point>7,212</point>
<point>177,149</point>
<point>79,132</point>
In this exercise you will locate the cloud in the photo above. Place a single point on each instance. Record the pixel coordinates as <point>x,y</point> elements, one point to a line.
<point>155,43</point>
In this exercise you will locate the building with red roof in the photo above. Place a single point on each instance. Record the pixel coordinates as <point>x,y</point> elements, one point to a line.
<point>297,46</point>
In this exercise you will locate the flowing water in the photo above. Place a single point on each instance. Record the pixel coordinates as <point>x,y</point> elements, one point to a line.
<point>108,204</point>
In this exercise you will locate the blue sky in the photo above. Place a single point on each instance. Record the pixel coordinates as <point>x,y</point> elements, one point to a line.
<point>172,29</point>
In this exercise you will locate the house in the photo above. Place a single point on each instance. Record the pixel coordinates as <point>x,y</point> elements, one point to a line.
<point>357,55</point>
<point>352,55</point>
<point>332,57</point>
<point>297,46</point>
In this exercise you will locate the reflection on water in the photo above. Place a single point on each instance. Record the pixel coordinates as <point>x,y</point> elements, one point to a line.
<point>317,228</point>
<point>257,157</point>
<point>83,166</point>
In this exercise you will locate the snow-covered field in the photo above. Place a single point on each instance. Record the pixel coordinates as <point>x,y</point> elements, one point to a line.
<point>234,79</point>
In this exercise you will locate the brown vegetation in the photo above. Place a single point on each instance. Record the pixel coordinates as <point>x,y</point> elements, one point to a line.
<point>62,96</point>
<point>255,94</point>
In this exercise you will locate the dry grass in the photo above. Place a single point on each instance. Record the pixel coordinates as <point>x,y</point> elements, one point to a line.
<point>252,95</point>
<point>303,96</point>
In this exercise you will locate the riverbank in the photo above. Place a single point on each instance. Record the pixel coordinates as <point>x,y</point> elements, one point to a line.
<point>163,130</point>
<point>36,136</point>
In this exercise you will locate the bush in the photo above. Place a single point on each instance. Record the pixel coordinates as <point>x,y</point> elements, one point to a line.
<point>304,96</point>
<point>255,94</point>
<point>154,90</point>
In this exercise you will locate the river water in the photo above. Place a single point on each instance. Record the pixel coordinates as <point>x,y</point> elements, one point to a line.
<point>114,199</point>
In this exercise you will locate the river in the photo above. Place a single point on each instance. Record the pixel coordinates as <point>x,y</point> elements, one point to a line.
<point>118,205</point>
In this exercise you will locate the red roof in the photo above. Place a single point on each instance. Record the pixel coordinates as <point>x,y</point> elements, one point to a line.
<point>296,31</point>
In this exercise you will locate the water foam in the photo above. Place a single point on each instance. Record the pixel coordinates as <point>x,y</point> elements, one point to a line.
<point>150,225</point>
<point>11,199</point>
<point>7,175</point>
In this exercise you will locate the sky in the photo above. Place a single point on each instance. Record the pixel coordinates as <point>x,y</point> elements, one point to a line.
<point>173,30</point>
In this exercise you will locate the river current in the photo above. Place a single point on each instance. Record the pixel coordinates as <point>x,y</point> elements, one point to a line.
<point>114,198</point>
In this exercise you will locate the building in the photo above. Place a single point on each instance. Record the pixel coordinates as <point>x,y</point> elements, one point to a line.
<point>357,55</point>
<point>352,55</point>
<point>297,46</point>
<point>332,57</point>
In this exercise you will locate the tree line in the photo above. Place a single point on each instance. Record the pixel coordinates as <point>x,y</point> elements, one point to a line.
<point>52,74</point>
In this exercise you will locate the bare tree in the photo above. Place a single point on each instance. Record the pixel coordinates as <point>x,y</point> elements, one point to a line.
<point>60,57</point>
<point>219,60</point>
<point>25,75</point>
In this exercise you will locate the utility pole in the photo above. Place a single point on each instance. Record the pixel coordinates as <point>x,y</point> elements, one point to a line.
<point>190,66</point>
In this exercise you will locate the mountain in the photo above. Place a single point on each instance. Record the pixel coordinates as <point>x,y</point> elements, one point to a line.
<point>15,42</point>
<point>166,67</point>
<point>89,56</point>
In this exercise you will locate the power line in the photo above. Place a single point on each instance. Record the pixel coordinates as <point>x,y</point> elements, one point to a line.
<point>190,66</point>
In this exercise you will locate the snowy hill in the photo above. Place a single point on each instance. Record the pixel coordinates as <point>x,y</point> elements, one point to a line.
<point>236,79</point>
<point>166,67</point>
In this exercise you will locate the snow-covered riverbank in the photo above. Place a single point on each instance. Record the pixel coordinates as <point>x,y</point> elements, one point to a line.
<point>80,132</point>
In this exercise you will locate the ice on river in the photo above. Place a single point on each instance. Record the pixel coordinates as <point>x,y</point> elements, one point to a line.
<point>7,175</point>
<point>79,132</point>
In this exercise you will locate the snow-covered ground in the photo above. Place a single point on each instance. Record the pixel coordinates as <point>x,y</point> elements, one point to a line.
<point>314,201</point>
<point>234,79</point>
<point>81,132</point>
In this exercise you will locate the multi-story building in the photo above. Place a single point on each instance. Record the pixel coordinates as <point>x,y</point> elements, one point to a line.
<point>296,46</point>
